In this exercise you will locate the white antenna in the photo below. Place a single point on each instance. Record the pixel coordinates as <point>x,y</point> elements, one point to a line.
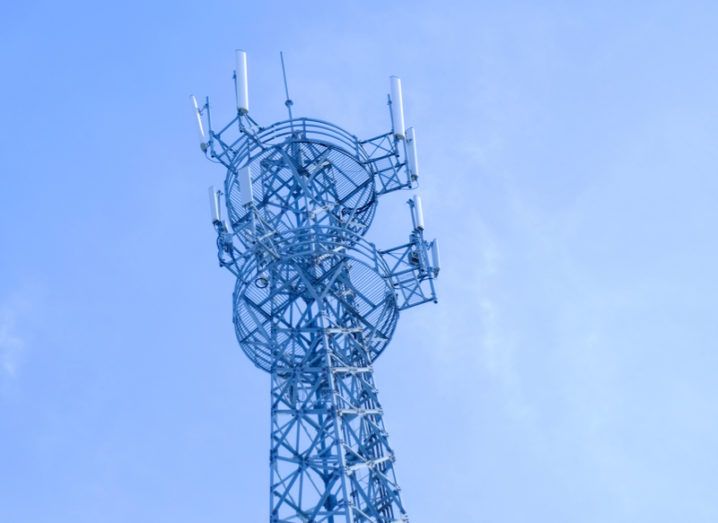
<point>215,209</point>
<point>435,261</point>
<point>242,84</point>
<point>245,185</point>
<point>200,126</point>
<point>397,107</point>
<point>418,213</point>
<point>412,160</point>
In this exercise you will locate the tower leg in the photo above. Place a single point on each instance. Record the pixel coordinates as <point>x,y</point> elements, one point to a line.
<point>330,457</point>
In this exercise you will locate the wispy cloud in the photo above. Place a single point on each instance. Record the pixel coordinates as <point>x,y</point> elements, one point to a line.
<point>11,344</point>
<point>498,355</point>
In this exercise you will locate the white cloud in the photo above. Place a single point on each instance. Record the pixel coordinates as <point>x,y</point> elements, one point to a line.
<point>11,345</point>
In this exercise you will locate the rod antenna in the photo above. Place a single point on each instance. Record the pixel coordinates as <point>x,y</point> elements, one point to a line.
<point>288,102</point>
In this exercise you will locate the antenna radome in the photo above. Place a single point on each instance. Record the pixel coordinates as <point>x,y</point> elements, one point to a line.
<point>435,260</point>
<point>245,185</point>
<point>242,84</point>
<point>215,210</point>
<point>200,126</point>
<point>417,212</point>
<point>412,158</point>
<point>397,108</point>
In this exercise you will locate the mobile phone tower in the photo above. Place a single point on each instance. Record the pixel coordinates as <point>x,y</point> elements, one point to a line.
<point>315,304</point>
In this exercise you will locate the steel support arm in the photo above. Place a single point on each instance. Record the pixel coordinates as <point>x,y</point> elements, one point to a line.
<point>412,273</point>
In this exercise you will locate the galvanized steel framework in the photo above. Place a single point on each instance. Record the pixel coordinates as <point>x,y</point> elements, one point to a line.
<point>314,303</point>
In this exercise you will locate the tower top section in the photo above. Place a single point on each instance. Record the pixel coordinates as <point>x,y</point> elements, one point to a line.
<point>300,194</point>
<point>338,175</point>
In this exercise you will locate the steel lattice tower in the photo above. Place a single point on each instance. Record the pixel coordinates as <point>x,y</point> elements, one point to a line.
<point>314,303</point>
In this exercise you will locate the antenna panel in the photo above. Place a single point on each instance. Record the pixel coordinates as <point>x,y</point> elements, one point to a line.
<point>200,126</point>
<point>242,83</point>
<point>245,185</point>
<point>214,207</point>
<point>418,213</point>
<point>397,108</point>
<point>412,159</point>
<point>435,261</point>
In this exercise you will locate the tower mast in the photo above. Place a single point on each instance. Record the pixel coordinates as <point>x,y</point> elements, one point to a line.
<point>314,303</point>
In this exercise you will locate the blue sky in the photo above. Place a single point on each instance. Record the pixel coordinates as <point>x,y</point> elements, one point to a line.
<point>568,153</point>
